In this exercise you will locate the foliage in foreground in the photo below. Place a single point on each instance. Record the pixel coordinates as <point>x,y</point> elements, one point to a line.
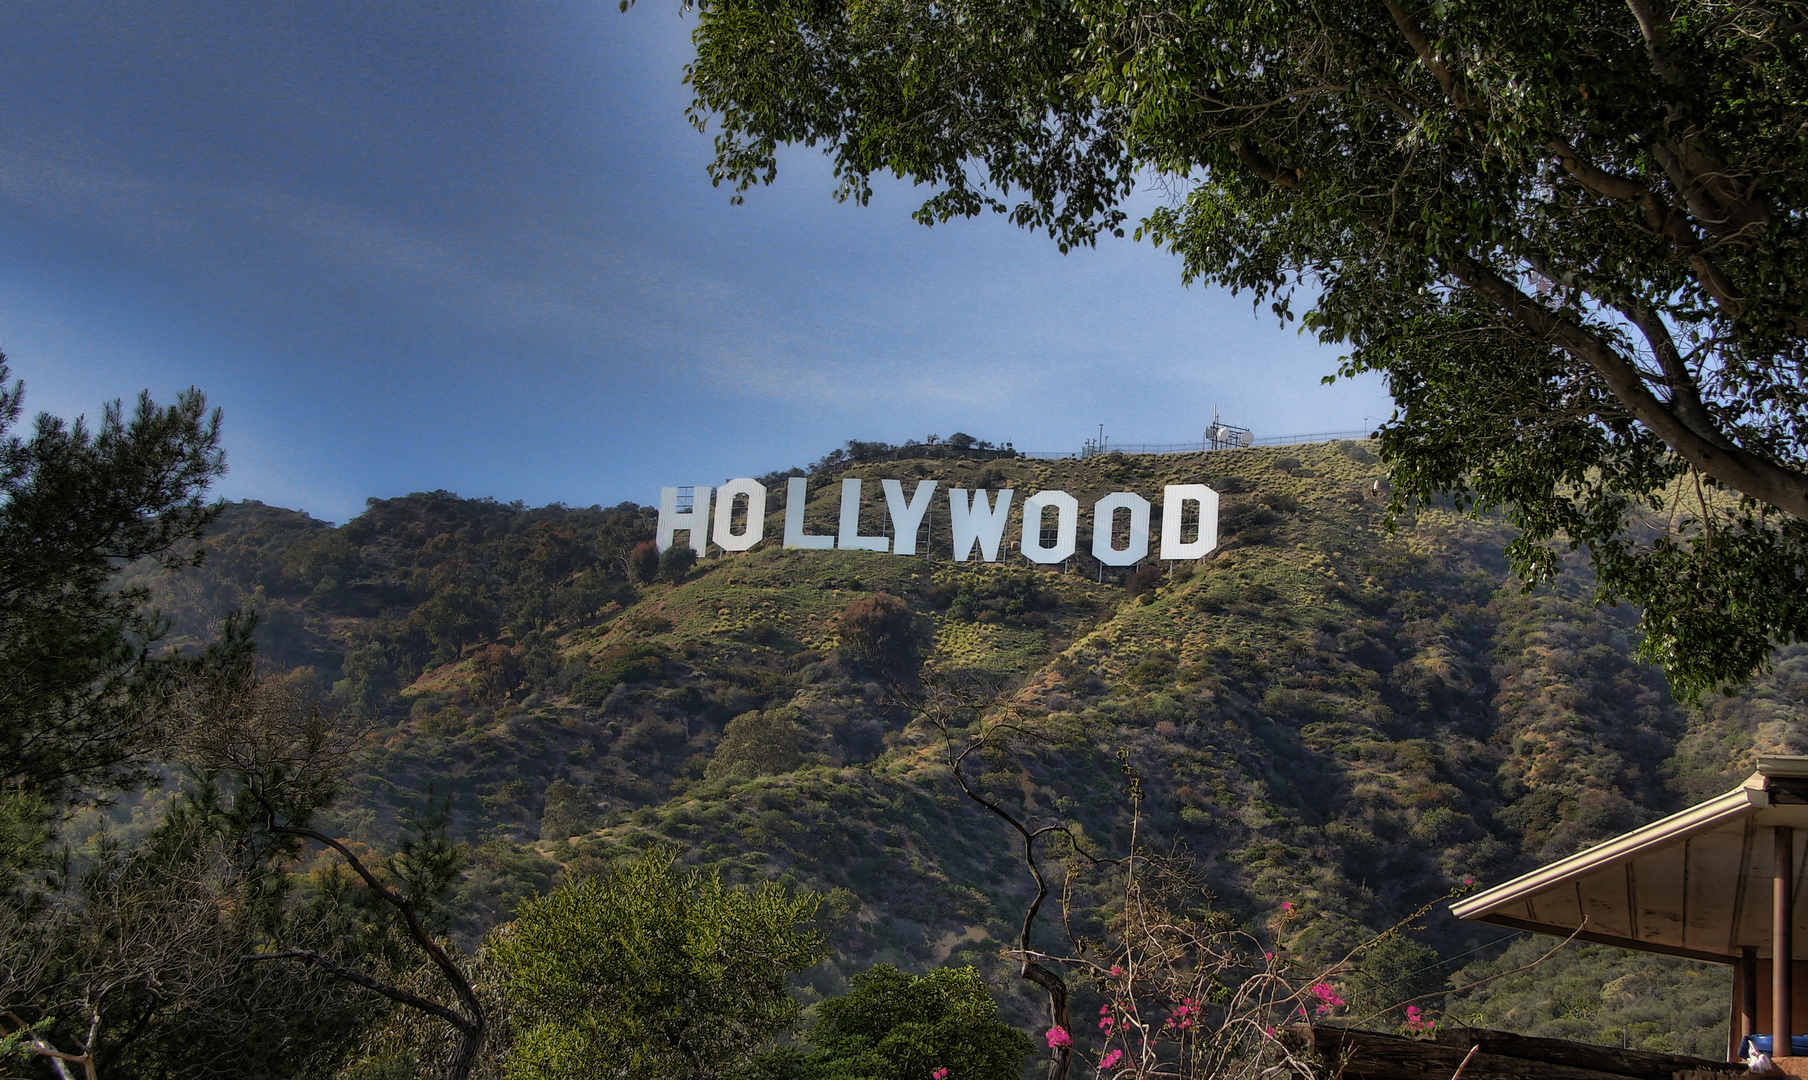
<point>651,971</point>
<point>1570,235</point>
<point>897,1026</point>
<point>84,694</point>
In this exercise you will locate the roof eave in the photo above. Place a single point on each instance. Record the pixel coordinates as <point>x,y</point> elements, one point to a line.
<point>1713,814</point>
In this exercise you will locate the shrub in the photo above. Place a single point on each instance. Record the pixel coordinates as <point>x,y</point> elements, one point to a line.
<point>638,663</point>
<point>882,629</point>
<point>1152,669</point>
<point>675,565</point>
<point>1394,969</point>
<point>1144,580</point>
<point>1011,596</point>
<point>757,744</point>
<point>894,1026</point>
<point>569,810</point>
<point>643,563</point>
<point>445,722</point>
<point>496,672</point>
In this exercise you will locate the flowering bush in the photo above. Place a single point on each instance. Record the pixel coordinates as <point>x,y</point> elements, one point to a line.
<point>1418,1025</point>
<point>1190,995</point>
<point>1326,997</point>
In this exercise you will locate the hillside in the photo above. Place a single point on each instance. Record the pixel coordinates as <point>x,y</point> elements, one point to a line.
<point>1325,712</point>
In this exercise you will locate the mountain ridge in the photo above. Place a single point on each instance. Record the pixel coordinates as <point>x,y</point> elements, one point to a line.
<point>1325,712</point>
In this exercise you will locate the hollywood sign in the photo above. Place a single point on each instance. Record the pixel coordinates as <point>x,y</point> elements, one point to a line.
<point>976,519</point>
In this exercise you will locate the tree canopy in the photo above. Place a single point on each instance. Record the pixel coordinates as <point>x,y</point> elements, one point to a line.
<point>757,744</point>
<point>1569,235</point>
<point>650,971</point>
<point>882,630</point>
<point>83,692</point>
<point>896,1026</point>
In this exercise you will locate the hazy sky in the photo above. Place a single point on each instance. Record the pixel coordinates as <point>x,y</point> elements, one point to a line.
<point>473,247</point>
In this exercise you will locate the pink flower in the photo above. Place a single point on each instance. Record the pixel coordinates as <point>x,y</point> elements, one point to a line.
<point>1111,1059</point>
<point>1326,995</point>
<point>1468,881</point>
<point>1057,1037</point>
<point>1286,905</point>
<point>1268,956</point>
<point>938,1074</point>
<point>1115,970</point>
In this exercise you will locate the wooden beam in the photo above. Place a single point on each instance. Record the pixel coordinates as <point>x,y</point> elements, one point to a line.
<point>1745,1002</point>
<point>1782,939</point>
<point>1366,1055</point>
<point>1556,930</point>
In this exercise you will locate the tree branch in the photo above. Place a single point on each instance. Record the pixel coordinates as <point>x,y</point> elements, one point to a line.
<point>474,1025</point>
<point>350,975</point>
<point>1785,489</point>
<point>1654,36</point>
<point>1028,968</point>
<point>59,1060</point>
<point>1685,392</point>
<point>939,708</point>
<point>453,975</point>
<point>1675,226</point>
<point>1415,36</point>
<point>1264,168</point>
<point>1610,185</point>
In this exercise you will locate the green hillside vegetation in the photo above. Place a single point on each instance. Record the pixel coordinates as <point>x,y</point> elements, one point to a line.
<point>1324,712</point>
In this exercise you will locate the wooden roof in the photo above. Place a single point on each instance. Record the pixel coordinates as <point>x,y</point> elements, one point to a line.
<point>1695,884</point>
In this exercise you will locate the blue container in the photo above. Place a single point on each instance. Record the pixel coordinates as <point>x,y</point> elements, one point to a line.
<point>1760,1044</point>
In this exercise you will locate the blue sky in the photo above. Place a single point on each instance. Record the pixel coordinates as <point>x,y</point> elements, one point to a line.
<point>473,247</point>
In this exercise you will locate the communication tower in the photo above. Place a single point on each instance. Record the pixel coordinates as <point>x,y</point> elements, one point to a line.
<point>1222,436</point>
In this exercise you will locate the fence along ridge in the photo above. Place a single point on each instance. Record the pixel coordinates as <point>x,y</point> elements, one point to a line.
<point>943,450</point>
<point>1197,447</point>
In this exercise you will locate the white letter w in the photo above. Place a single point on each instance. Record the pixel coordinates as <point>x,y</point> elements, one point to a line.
<point>975,520</point>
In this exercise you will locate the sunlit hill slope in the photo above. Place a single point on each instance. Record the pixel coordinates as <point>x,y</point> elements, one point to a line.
<point>1324,711</point>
